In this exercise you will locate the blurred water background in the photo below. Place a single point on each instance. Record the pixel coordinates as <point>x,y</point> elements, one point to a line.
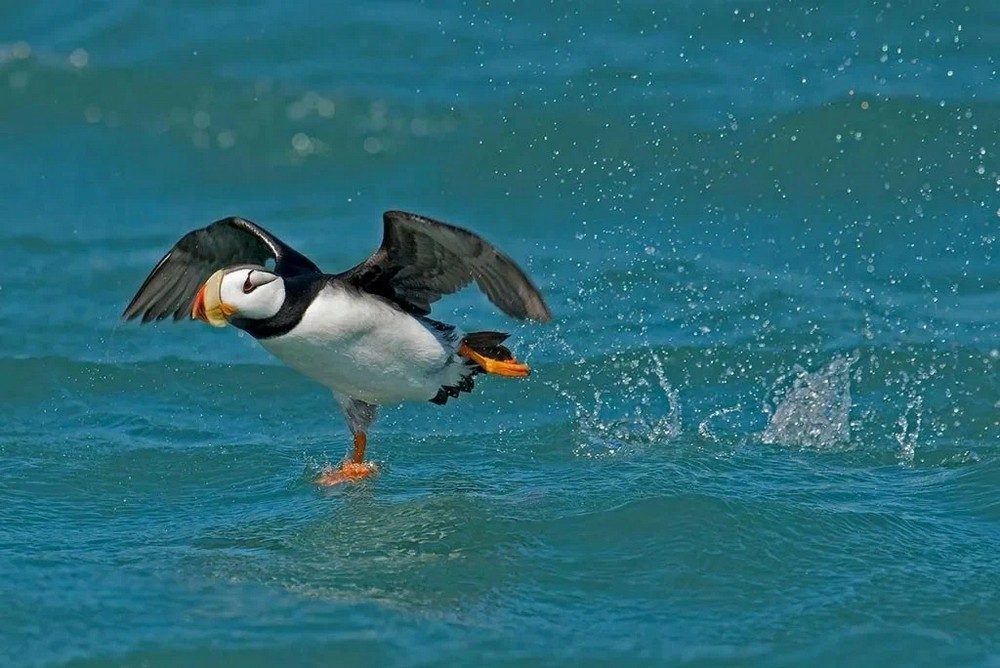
<point>764,429</point>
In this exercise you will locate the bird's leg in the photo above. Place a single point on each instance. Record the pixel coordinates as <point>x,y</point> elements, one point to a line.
<point>359,415</point>
<point>360,441</point>
<point>354,468</point>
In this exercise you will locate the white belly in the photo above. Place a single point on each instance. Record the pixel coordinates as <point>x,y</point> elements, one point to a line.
<point>365,349</point>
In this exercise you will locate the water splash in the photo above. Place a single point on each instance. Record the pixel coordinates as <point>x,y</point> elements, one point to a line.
<point>644,409</point>
<point>814,412</point>
<point>909,428</point>
<point>915,420</point>
<point>709,431</point>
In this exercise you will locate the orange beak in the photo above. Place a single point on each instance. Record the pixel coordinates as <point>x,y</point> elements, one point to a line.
<point>198,310</point>
<point>208,305</point>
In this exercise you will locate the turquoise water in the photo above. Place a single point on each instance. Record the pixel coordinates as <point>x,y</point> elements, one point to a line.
<point>763,430</point>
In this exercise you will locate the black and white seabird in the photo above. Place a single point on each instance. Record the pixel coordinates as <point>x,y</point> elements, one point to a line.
<point>364,333</point>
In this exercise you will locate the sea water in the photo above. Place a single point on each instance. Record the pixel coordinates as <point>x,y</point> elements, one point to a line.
<point>763,429</point>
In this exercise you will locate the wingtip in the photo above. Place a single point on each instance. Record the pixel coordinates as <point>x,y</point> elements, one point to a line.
<point>129,313</point>
<point>541,317</point>
<point>538,311</point>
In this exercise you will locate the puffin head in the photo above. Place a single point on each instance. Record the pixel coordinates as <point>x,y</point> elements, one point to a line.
<point>246,292</point>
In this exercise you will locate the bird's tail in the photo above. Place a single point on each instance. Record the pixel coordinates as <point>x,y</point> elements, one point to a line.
<point>489,344</point>
<point>483,353</point>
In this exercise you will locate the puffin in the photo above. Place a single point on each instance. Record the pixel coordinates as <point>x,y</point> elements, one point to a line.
<point>365,333</point>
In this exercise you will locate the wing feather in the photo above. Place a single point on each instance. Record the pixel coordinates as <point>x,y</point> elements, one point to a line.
<point>422,259</point>
<point>172,285</point>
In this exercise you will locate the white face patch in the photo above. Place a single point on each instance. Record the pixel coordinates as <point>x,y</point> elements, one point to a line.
<point>257,294</point>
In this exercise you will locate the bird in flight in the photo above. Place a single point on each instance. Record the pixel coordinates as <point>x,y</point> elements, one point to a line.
<point>365,333</point>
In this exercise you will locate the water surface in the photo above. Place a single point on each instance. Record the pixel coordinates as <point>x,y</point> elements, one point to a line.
<point>763,430</point>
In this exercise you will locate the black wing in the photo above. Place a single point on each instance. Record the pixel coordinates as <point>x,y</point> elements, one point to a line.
<point>170,288</point>
<point>421,259</point>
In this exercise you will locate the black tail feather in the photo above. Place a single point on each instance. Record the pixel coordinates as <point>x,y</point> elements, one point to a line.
<point>487,344</point>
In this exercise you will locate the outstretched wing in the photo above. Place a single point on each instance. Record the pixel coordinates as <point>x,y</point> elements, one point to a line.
<point>170,288</point>
<point>421,259</point>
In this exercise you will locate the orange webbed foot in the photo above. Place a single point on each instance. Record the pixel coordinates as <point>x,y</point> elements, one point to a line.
<point>353,469</point>
<point>348,472</point>
<point>510,368</point>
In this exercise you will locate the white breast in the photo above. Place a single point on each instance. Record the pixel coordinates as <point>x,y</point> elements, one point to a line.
<point>362,347</point>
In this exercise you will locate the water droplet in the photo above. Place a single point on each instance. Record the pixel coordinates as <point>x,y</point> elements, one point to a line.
<point>20,50</point>
<point>302,143</point>
<point>202,120</point>
<point>226,139</point>
<point>79,58</point>
<point>325,107</point>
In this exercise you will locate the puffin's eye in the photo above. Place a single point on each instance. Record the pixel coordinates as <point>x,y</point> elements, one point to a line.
<point>247,285</point>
